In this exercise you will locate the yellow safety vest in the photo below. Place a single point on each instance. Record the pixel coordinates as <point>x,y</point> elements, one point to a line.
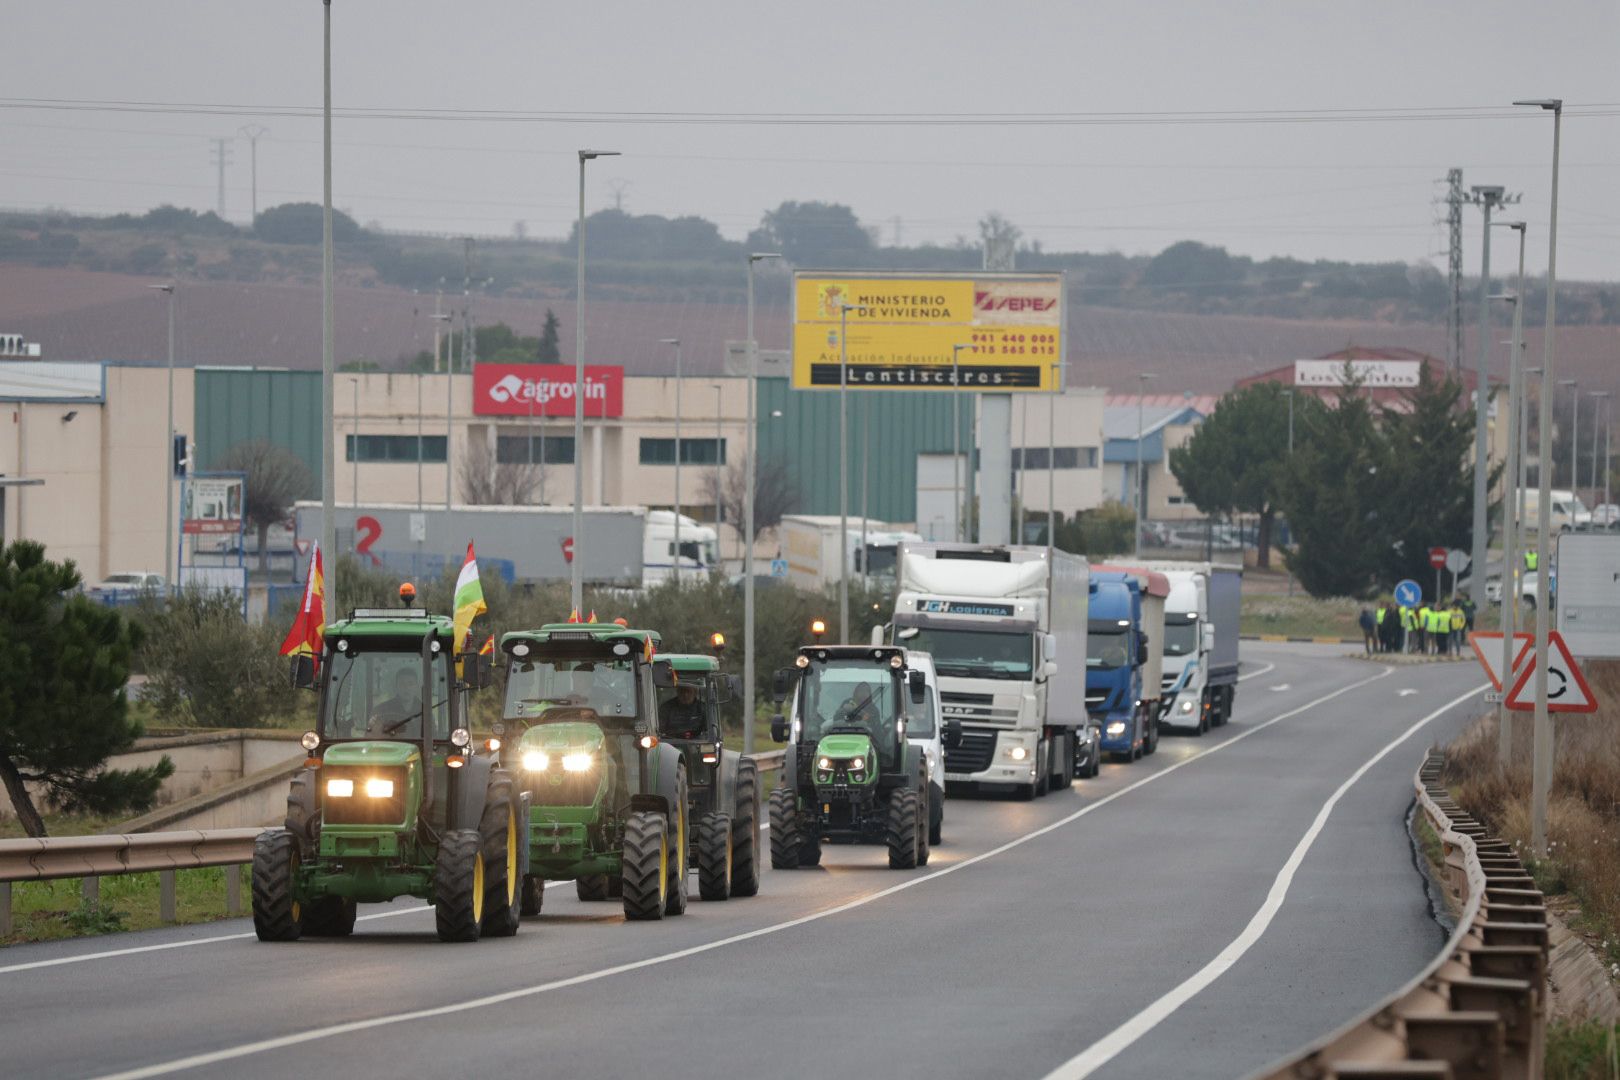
<point>1458,619</point>
<point>1530,558</point>
<point>1378,616</point>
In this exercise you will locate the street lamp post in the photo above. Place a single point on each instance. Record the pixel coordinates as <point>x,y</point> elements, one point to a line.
<point>449,409</point>
<point>577,564</point>
<point>843,470</point>
<point>1541,767</point>
<point>1290,394</point>
<point>1488,197</point>
<point>959,512</point>
<point>1140,483</point>
<point>354,457</point>
<point>328,361</point>
<point>1504,715</point>
<point>168,449</point>
<point>1600,401</point>
<point>719,458</point>
<point>677,561</point>
<point>750,473</point>
<point>1574,434</point>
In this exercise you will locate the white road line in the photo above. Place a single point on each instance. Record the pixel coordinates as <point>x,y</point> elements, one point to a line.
<point>1105,1050</point>
<point>214,1057</point>
<point>1257,672</point>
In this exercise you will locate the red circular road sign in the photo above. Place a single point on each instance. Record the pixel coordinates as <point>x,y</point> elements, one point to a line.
<point>1437,558</point>
<point>568,549</point>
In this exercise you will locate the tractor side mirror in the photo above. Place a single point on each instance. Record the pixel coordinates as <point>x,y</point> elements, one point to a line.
<point>877,633</point>
<point>303,672</point>
<point>952,734</point>
<point>781,684</point>
<point>734,687</point>
<point>477,670</point>
<point>1141,648</point>
<point>779,728</point>
<point>917,683</point>
<point>663,674</point>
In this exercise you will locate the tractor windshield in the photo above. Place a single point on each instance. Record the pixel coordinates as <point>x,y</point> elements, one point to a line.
<point>856,696</point>
<point>682,710</point>
<point>606,687</point>
<point>377,693</point>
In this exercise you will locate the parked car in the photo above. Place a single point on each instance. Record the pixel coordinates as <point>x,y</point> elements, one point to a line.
<point>1605,516</point>
<point>125,586</point>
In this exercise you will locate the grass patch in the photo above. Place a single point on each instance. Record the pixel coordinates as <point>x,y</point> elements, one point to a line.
<point>1583,1051</point>
<point>53,910</point>
<point>1300,616</point>
<point>62,825</point>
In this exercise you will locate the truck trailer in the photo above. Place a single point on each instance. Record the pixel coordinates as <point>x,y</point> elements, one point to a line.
<point>1200,644</point>
<point>811,548</point>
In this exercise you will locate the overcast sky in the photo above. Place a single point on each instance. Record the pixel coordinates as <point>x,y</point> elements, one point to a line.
<point>1363,190</point>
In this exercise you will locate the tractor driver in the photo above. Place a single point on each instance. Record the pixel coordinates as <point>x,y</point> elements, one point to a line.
<point>406,705</point>
<point>860,708</point>
<point>681,717</point>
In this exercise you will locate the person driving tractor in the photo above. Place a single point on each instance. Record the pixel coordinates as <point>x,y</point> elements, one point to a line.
<point>860,708</point>
<point>406,704</point>
<point>681,717</point>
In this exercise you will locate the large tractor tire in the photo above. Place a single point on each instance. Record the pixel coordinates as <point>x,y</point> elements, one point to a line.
<point>680,850</point>
<point>505,847</point>
<point>277,915</point>
<point>459,885</point>
<point>784,829</point>
<point>905,827</point>
<point>330,916</point>
<point>745,832</point>
<point>598,887</point>
<point>534,895</point>
<point>715,856</point>
<point>936,815</point>
<point>809,849</point>
<point>303,817</point>
<point>646,865</point>
<point>922,822</point>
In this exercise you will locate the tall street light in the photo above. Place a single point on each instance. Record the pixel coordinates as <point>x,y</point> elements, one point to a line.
<point>750,472</point>
<point>328,364</point>
<point>843,470</point>
<point>719,457</point>
<point>677,343</point>
<point>1541,767</point>
<point>1140,494</point>
<point>1504,715</point>
<point>1488,197</point>
<point>449,409</point>
<point>1574,434</point>
<point>168,449</point>
<point>354,457</point>
<point>958,512</point>
<point>1601,401</point>
<point>577,564</point>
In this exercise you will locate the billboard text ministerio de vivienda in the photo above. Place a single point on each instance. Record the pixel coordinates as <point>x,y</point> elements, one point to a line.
<point>902,329</point>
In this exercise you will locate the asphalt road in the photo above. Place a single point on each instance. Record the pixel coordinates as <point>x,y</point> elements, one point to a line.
<point>1195,914</point>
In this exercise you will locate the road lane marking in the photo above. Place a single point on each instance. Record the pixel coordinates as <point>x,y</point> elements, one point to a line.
<point>1105,1050</point>
<point>214,1057</point>
<point>1261,671</point>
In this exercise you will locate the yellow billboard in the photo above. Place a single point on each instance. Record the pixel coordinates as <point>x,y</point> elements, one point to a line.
<point>903,329</point>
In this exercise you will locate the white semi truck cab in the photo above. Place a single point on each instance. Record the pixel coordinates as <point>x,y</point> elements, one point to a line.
<point>1199,679</point>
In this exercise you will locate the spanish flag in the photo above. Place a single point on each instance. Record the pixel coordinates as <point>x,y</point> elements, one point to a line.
<point>308,631</point>
<point>488,648</point>
<point>469,602</point>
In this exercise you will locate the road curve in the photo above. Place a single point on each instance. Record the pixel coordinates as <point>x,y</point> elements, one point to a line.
<point>1195,914</point>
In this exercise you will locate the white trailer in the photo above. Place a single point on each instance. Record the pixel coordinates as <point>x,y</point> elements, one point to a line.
<point>1200,644</point>
<point>1006,627</point>
<point>699,554</point>
<point>810,545</point>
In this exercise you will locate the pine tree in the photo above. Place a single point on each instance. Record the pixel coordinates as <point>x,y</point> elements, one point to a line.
<point>550,351</point>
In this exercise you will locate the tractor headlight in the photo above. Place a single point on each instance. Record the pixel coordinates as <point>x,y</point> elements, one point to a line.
<point>824,764</point>
<point>377,788</point>
<point>340,788</point>
<point>536,760</point>
<point>1117,728</point>
<point>580,762</point>
<point>461,736</point>
<point>857,764</point>
<point>310,741</point>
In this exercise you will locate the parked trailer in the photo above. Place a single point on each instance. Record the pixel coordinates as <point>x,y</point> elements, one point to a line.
<point>810,547</point>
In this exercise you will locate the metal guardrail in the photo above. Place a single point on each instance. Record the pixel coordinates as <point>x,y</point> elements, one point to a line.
<point>1479,1010</point>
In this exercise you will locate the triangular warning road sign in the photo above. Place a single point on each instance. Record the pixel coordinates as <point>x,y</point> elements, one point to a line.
<point>1567,689</point>
<point>1488,649</point>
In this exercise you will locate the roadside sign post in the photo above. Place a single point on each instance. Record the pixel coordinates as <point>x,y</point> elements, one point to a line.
<point>1408,594</point>
<point>1437,559</point>
<point>1457,561</point>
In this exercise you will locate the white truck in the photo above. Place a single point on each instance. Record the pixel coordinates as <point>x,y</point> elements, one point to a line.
<point>1200,646</point>
<point>1569,514</point>
<point>700,548</point>
<point>810,545</point>
<point>1007,631</point>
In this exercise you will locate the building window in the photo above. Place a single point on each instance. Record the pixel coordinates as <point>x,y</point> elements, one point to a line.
<point>1177,500</point>
<point>392,448</point>
<point>693,451</point>
<point>522,449</point>
<point>1066,457</point>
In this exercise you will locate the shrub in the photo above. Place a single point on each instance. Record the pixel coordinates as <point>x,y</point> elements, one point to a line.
<point>207,667</point>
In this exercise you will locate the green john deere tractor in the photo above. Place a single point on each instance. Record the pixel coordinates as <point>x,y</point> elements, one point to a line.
<point>849,774</point>
<point>722,785</point>
<point>608,798</point>
<point>392,802</point>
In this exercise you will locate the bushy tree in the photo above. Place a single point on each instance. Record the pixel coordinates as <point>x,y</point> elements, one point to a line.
<point>300,223</point>
<point>1330,492</point>
<point>207,667</point>
<point>549,351</point>
<point>1102,530</point>
<point>775,493</point>
<point>812,233</point>
<point>276,478</point>
<point>64,663</point>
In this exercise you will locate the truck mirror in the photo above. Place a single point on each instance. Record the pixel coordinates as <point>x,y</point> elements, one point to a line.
<point>1049,669</point>
<point>1208,637</point>
<point>303,672</point>
<point>1141,648</point>
<point>781,684</point>
<point>663,674</point>
<point>779,728</point>
<point>918,685</point>
<point>1049,649</point>
<point>951,737</point>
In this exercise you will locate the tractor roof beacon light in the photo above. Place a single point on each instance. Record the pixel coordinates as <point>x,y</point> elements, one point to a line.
<point>717,643</point>
<point>407,594</point>
<point>818,629</point>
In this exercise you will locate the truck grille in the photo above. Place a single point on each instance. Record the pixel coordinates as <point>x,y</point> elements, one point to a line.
<point>360,808</point>
<point>975,708</point>
<point>972,754</point>
<point>1168,681</point>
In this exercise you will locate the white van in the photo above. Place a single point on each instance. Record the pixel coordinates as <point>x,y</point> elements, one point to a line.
<point>925,730</point>
<point>1569,514</point>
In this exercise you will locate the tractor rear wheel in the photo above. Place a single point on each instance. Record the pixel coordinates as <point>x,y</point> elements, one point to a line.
<point>534,896</point>
<point>922,822</point>
<point>745,832</point>
<point>276,912</point>
<point>505,849</point>
<point>904,828</point>
<point>715,856</point>
<point>646,865</point>
<point>809,848</point>
<point>459,885</point>
<point>330,916</point>
<point>784,829</point>
<point>597,887</point>
<point>680,848</point>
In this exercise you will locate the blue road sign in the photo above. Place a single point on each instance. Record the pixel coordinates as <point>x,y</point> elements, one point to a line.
<point>1408,593</point>
<point>779,568</point>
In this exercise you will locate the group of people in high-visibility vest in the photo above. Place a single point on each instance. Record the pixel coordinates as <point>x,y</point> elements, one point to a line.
<point>1428,628</point>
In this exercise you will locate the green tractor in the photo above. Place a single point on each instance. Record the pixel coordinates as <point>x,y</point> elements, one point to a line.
<point>849,774</point>
<point>722,785</point>
<point>391,802</point>
<point>608,797</point>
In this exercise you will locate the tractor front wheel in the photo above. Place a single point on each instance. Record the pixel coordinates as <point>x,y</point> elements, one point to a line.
<point>505,849</point>
<point>904,828</point>
<point>784,829</point>
<point>459,885</point>
<point>745,832</point>
<point>679,850</point>
<point>646,865</point>
<point>534,896</point>
<point>330,916</point>
<point>715,856</point>
<point>598,887</point>
<point>276,912</point>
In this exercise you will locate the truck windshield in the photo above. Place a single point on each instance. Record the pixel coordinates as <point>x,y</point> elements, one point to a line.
<point>978,654</point>
<point>377,694</point>
<point>880,560</point>
<point>1180,635</point>
<point>854,696</point>
<point>1107,649</point>
<point>607,687</point>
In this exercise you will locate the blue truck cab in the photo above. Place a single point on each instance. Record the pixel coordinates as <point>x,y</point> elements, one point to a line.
<point>1115,651</point>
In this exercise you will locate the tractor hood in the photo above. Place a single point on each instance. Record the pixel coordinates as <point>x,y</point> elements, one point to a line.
<point>573,736</point>
<point>372,753</point>
<point>841,750</point>
<point>844,746</point>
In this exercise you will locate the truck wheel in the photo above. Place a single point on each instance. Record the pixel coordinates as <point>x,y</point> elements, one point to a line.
<point>1094,768</point>
<point>646,865</point>
<point>936,814</point>
<point>903,829</point>
<point>330,916</point>
<point>714,856</point>
<point>784,830</point>
<point>303,819</point>
<point>276,911</point>
<point>459,885</point>
<point>1230,694</point>
<point>504,850</point>
<point>680,851</point>
<point>534,896</point>
<point>745,832</point>
<point>1150,736</point>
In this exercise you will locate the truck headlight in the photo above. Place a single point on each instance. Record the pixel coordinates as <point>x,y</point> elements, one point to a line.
<point>536,760</point>
<point>342,788</point>
<point>378,788</point>
<point>1187,706</point>
<point>1117,728</point>
<point>580,762</point>
<point>1018,753</point>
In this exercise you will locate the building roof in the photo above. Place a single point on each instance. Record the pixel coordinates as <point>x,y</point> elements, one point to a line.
<point>1121,415</point>
<point>28,380</point>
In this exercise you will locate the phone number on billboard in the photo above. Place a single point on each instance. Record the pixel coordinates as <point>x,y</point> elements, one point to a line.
<point>1015,344</point>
